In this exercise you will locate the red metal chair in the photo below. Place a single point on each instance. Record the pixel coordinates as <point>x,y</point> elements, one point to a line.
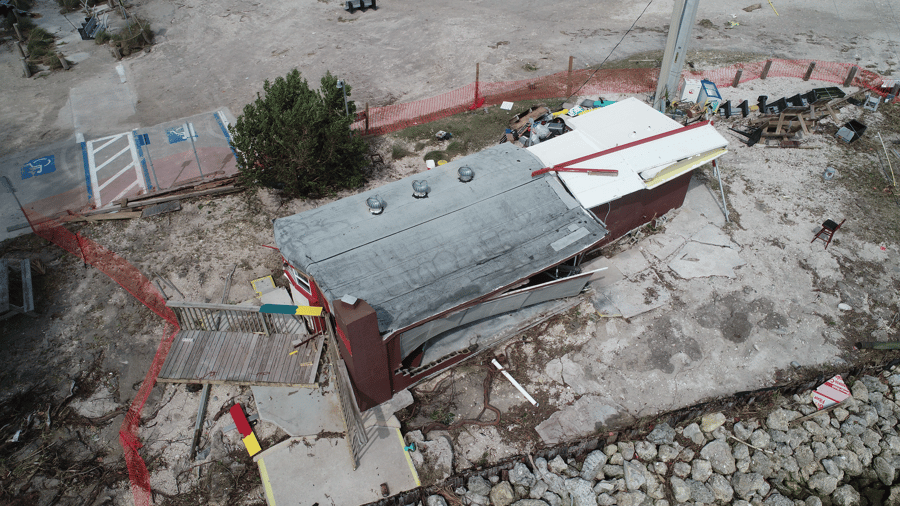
<point>827,232</point>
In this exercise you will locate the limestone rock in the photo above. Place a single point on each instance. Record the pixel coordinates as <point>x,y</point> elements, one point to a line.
<point>627,450</point>
<point>557,465</point>
<point>885,471</point>
<point>682,469</point>
<point>779,419</point>
<point>721,488</point>
<point>605,500</point>
<point>741,431</point>
<point>529,502</point>
<point>435,500</point>
<point>538,490</point>
<point>645,451</point>
<point>694,433</point>
<point>480,500</point>
<point>634,476</point>
<point>700,492</point>
<point>680,489</point>
<point>662,434</point>
<point>581,493</point>
<point>701,470</point>
<point>822,483</point>
<point>777,499</point>
<point>502,494</point>
<point>813,501</point>
<point>746,484</point>
<point>718,453</point>
<point>712,422</point>
<point>612,471</point>
<point>593,463</point>
<point>667,453</point>
<point>630,498</point>
<point>521,475</point>
<point>760,439</point>
<point>478,485</point>
<point>845,496</point>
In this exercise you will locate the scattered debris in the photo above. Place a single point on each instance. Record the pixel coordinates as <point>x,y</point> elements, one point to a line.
<point>514,382</point>
<point>831,393</point>
<point>827,233</point>
<point>752,8</point>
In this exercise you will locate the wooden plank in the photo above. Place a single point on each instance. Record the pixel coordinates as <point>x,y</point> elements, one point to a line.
<point>275,357</point>
<point>205,366</point>
<point>215,307</point>
<point>182,349</point>
<point>159,200</point>
<point>200,344</point>
<point>317,357</point>
<point>235,349</point>
<point>765,72</point>
<point>234,368</point>
<point>213,369</point>
<point>288,362</point>
<point>242,372</point>
<point>809,71</point>
<point>280,355</point>
<point>165,207</point>
<point>192,348</point>
<point>850,76</point>
<point>206,345</point>
<point>264,369</point>
<point>258,353</point>
<point>305,354</point>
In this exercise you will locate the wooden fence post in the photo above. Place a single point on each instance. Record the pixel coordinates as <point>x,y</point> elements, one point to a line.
<point>26,67</point>
<point>367,118</point>
<point>737,78</point>
<point>569,79</point>
<point>851,75</point>
<point>765,71</point>
<point>809,71</point>
<point>62,61</point>
<point>18,33</point>
<point>477,72</point>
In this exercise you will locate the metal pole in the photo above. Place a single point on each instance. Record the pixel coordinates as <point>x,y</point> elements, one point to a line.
<point>4,181</point>
<point>346,107</point>
<point>189,131</point>
<point>683,16</point>
<point>721,189</point>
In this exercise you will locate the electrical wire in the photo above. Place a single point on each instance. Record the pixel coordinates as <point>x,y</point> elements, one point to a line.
<point>610,52</point>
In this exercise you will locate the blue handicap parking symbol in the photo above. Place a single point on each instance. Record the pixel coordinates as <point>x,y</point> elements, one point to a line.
<point>180,133</point>
<point>39,167</point>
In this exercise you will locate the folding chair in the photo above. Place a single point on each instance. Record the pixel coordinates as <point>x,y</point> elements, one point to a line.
<point>827,232</point>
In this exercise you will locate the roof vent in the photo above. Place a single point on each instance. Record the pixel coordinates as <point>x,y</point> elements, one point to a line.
<point>376,204</point>
<point>420,189</point>
<point>465,174</point>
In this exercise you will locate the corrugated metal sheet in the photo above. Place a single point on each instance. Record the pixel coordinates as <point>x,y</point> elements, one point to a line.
<point>621,123</point>
<point>422,257</point>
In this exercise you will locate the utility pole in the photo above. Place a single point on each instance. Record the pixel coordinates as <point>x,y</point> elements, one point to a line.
<point>683,16</point>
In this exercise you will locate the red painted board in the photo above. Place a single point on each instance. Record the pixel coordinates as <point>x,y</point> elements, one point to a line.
<point>240,420</point>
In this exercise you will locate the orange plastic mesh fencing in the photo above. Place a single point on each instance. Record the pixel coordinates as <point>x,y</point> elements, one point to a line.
<point>138,285</point>
<point>382,120</point>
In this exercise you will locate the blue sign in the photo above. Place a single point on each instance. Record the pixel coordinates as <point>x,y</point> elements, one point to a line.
<point>143,139</point>
<point>39,167</point>
<point>181,133</point>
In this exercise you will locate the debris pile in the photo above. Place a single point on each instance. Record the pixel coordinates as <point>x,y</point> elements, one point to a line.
<point>846,454</point>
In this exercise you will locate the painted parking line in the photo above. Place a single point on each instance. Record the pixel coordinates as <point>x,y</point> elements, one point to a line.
<point>116,161</point>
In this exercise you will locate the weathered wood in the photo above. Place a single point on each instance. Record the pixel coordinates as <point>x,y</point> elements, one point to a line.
<point>765,72</point>
<point>25,68</point>
<point>62,61</point>
<point>18,32</point>
<point>202,193</point>
<point>569,77</point>
<point>737,78</point>
<point>194,183</point>
<point>121,215</point>
<point>165,207</point>
<point>809,71</point>
<point>850,76</point>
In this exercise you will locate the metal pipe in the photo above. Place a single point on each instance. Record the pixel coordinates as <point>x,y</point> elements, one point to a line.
<point>198,426</point>
<point>514,382</point>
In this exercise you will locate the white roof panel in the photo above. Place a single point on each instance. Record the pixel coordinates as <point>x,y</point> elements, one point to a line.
<point>624,122</point>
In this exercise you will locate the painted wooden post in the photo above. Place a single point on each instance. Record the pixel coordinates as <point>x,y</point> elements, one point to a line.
<point>809,71</point>
<point>765,71</point>
<point>569,79</point>
<point>851,75</point>
<point>737,78</point>
<point>367,118</point>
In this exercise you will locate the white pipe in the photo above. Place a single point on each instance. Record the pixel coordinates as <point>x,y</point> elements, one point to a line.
<point>514,382</point>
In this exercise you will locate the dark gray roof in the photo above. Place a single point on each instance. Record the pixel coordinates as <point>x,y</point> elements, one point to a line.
<point>421,257</point>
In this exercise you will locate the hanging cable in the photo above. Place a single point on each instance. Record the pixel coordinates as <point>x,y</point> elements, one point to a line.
<point>610,53</point>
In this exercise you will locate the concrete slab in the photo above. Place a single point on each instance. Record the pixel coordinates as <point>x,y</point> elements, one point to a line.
<point>582,418</point>
<point>662,246</point>
<point>713,235</point>
<point>698,260</point>
<point>610,276</point>
<point>631,262</point>
<point>309,469</point>
<point>383,413</point>
<point>633,297</point>
<point>299,411</point>
<point>701,198</point>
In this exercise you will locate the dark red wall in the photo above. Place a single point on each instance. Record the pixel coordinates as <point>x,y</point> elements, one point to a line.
<point>639,208</point>
<point>364,352</point>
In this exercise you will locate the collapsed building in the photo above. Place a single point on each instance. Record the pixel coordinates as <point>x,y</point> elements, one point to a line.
<point>420,273</point>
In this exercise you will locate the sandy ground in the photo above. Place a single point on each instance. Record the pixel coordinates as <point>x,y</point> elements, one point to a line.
<point>210,55</point>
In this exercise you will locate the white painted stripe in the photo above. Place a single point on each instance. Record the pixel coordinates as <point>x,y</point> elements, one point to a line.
<point>98,169</point>
<point>124,192</point>
<point>136,161</point>
<point>110,180</point>
<point>79,137</point>
<point>93,172</point>
<point>112,139</point>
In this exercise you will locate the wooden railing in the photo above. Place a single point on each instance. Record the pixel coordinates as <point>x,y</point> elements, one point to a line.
<point>233,318</point>
<point>356,432</point>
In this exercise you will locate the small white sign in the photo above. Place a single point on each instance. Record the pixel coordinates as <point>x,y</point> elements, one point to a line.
<point>506,106</point>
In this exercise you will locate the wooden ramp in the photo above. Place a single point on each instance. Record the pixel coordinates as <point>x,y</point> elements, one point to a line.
<point>241,358</point>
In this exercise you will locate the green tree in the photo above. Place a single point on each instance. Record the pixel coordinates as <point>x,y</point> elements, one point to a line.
<point>299,140</point>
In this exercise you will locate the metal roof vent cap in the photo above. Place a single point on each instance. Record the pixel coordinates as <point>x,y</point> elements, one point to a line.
<point>465,174</point>
<point>420,189</point>
<point>376,204</point>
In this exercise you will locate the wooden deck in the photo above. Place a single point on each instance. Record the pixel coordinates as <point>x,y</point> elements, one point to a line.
<point>240,358</point>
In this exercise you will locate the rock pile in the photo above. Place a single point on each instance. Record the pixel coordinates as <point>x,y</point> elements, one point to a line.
<point>848,456</point>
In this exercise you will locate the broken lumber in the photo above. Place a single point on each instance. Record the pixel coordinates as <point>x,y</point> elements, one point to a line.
<point>159,200</point>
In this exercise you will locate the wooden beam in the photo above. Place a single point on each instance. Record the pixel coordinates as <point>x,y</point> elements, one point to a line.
<point>809,71</point>
<point>765,72</point>
<point>850,76</point>
<point>737,78</point>
<point>213,191</point>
